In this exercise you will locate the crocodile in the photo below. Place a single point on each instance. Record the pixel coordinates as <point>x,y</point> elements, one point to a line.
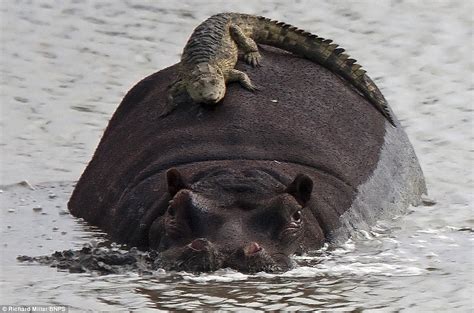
<point>211,53</point>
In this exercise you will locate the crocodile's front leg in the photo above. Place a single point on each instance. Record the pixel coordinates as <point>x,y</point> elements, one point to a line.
<point>234,75</point>
<point>247,45</point>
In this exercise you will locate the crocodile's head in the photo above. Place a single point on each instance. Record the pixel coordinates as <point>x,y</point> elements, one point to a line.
<point>244,220</point>
<point>206,84</point>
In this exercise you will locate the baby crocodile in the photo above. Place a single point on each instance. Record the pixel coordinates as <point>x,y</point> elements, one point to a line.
<point>211,53</point>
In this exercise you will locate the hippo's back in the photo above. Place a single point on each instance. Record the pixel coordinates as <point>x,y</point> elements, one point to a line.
<point>303,115</point>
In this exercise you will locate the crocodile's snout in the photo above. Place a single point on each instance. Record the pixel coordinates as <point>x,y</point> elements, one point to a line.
<point>211,98</point>
<point>207,90</point>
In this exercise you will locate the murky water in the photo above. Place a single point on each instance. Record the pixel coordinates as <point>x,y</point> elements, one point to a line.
<point>65,66</point>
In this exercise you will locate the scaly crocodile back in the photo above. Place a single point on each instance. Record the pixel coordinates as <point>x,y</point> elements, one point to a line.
<point>206,40</point>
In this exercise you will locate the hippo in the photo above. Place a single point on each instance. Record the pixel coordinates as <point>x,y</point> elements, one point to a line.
<point>253,181</point>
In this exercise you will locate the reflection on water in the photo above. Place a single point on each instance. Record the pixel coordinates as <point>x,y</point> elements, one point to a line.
<point>65,66</point>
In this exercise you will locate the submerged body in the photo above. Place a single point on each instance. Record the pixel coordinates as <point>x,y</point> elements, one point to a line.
<point>209,58</point>
<point>247,185</point>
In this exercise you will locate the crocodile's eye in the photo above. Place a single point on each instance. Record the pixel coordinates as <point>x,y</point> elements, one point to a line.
<point>296,216</point>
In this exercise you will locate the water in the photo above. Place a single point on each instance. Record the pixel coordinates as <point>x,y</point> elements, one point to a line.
<point>65,66</point>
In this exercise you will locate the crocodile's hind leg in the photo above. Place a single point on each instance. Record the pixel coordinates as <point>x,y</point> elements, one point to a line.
<point>176,90</point>
<point>247,45</point>
<point>239,76</point>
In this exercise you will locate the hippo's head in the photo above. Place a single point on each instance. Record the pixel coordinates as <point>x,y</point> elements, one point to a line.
<point>246,220</point>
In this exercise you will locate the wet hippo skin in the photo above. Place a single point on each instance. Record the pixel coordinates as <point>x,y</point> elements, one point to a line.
<point>304,120</point>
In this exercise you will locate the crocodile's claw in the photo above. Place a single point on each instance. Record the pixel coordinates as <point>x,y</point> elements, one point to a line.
<point>252,87</point>
<point>253,58</point>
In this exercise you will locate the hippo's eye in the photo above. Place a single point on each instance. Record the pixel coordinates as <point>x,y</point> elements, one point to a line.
<point>296,216</point>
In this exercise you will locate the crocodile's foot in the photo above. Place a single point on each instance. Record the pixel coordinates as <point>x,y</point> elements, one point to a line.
<point>176,94</point>
<point>169,107</point>
<point>253,58</point>
<point>239,76</point>
<point>173,101</point>
<point>251,87</point>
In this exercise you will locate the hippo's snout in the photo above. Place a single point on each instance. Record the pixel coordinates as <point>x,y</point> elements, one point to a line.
<point>251,249</point>
<point>200,244</point>
<point>253,258</point>
<point>202,255</point>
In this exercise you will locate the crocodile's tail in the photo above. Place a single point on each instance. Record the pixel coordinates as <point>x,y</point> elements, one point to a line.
<point>322,51</point>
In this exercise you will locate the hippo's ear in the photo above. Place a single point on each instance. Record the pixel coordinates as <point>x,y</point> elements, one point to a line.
<point>301,188</point>
<point>175,181</point>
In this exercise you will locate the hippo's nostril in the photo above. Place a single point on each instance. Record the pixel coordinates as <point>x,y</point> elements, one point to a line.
<point>199,244</point>
<point>252,248</point>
